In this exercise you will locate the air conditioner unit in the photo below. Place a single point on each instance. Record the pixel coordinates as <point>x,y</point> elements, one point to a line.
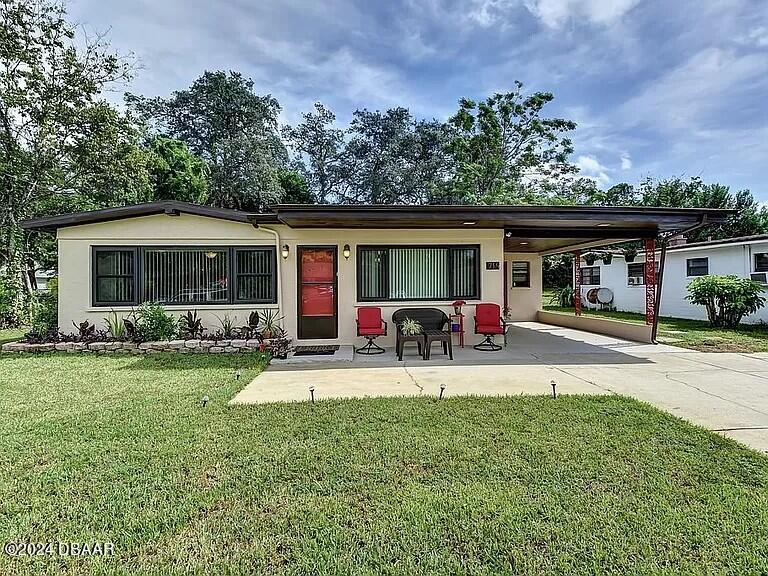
<point>759,277</point>
<point>634,280</point>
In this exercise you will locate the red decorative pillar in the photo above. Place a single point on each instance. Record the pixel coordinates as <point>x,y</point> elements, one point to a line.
<point>650,280</point>
<point>577,282</point>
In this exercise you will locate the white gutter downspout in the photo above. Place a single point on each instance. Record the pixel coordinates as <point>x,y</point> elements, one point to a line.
<point>278,258</point>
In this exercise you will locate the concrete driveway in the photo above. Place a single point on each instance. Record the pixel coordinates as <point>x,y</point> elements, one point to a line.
<point>727,393</point>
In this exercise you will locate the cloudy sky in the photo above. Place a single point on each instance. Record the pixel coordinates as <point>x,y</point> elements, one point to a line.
<point>658,87</point>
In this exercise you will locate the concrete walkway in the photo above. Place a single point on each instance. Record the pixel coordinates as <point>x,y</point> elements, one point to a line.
<point>727,393</point>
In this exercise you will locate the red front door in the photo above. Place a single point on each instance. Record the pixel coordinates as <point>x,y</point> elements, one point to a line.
<point>317,292</point>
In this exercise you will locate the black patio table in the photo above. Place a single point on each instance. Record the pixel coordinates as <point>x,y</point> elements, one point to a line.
<point>437,336</point>
<point>433,322</point>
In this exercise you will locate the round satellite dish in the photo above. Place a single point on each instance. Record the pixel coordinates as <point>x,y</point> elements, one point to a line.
<point>592,296</point>
<point>605,295</point>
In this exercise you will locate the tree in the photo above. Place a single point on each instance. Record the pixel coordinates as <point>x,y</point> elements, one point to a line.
<point>750,218</point>
<point>295,188</point>
<point>62,148</point>
<point>502,141</point>
<point>232,128</point>
<point>727,298</point>
<point>176,173</point>
<point>394,159</point>
<point>322,147</point>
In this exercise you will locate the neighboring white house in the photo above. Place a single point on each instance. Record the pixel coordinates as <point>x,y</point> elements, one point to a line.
<point>746,257</point>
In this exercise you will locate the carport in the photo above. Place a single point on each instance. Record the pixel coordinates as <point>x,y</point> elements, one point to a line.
<point>539,231</point>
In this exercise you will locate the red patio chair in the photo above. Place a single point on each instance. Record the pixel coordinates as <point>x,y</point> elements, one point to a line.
<point>370,325</point>
<point>488,322</point>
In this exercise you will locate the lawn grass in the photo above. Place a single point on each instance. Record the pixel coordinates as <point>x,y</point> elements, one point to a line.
<point>11,334</point>
<point>693,334</point>
<point>121,449</point>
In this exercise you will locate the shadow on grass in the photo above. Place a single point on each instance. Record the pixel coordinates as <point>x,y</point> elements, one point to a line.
<point>165,361</point>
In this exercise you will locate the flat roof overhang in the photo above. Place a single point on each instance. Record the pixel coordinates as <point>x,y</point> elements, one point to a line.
<point>540,229</point>
<point>169,207</point>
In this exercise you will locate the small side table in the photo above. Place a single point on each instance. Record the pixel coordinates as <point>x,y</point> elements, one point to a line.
<point>459,321</point>
<point>437,336</point>
<point>402,339</point>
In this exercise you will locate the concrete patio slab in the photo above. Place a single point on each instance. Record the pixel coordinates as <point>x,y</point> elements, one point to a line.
<point>727,392</point>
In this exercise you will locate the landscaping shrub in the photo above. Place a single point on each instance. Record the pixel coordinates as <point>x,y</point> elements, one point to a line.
<point>115,326</point>
<point>563,297</point>
<point>190,326</point>
<point>228,329</point>
<point>270,323</point>
<point>727,299</point>
<point>6,304</point>
<point>154,323</point>
<point>45,312</point>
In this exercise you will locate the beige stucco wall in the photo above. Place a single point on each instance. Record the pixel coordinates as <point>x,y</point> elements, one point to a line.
<point>75,263</point>
<point>75,259</point>
<point>625,330</point>
<point>524,302</point>
<point>491,281</point>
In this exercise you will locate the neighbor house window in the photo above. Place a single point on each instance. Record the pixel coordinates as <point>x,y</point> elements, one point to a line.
<point>636,273</point>
<point>761,262</point>
<point>418,273</point>
<point>114,278</point>
<point>697,266</point>
<point>185,275</point>
<point>521,274</point>
<point>590,275</point>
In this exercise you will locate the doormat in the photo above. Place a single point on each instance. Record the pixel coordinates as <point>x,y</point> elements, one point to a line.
<point>315,350</point>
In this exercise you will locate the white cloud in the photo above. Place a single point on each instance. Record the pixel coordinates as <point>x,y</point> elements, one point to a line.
<point>699,91</point>
<point>626,161</point>
<point>557,13</point>
<point>758,37</point>
<point>489,12</point>
<point>590,167</point>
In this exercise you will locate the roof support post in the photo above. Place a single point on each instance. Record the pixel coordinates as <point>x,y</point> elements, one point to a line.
<point>659,287</point>
<point>650,281</point>
<point>577,282</point>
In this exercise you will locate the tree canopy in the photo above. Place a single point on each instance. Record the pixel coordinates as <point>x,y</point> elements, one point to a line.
<point>64,148</point>
<point>224,122</point>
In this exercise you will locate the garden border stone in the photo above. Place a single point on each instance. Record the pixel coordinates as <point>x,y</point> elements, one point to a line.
<point>167,346</point>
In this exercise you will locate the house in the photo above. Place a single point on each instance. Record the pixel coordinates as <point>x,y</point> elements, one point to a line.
<point>318,263</point>
<point>746,257</point>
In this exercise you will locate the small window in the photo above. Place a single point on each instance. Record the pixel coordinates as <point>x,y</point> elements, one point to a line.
<point>114,281</point>
<point>590,276</point>
<point>636,273</point>
<point>697,266</point>
<point>521,274</point>
<point>761,262</point>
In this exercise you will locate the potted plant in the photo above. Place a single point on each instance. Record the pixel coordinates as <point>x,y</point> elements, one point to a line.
<point>457,306</point>
<point>270,323</point>
<point>630,252</point>
<point>607,258</point>
<point>590,258</point>
<point>410,327</point>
